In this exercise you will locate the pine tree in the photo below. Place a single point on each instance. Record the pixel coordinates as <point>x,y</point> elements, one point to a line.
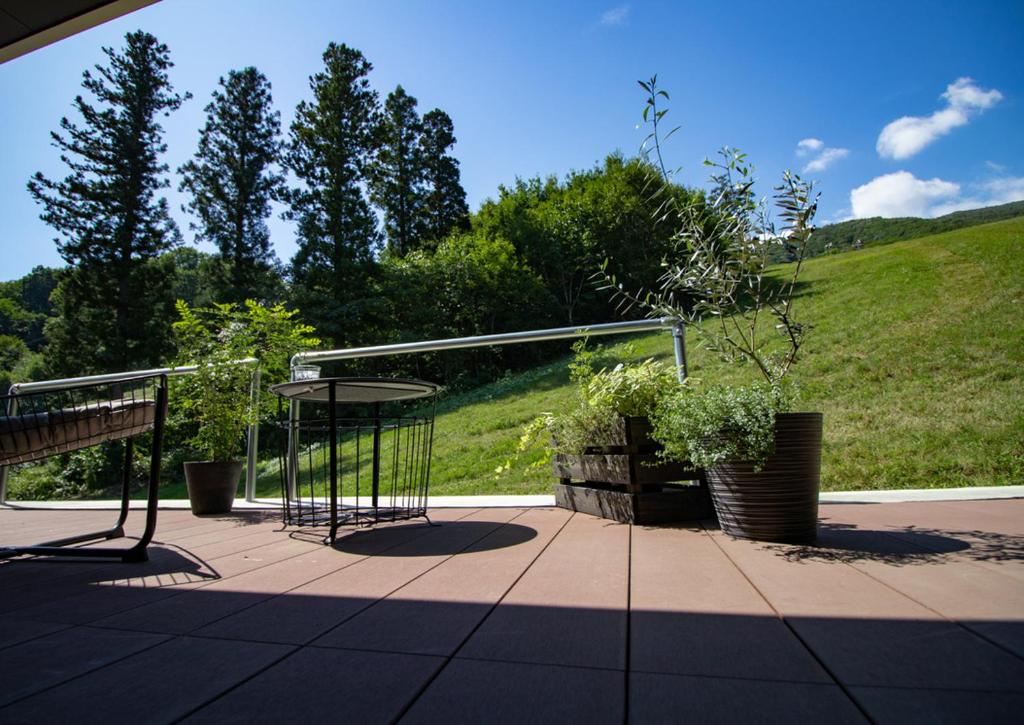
<point>232,182</point>
<point>396,174</point>
<point>328,149</point>
<point>115,304</point>
<point>444,207</point>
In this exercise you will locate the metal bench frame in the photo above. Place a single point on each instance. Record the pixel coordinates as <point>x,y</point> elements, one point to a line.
<point>138,551</point>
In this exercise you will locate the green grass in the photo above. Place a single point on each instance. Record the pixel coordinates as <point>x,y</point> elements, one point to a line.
<point>916,359</point>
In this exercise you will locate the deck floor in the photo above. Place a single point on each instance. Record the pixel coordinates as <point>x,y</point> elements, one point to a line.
<point>910,612</point>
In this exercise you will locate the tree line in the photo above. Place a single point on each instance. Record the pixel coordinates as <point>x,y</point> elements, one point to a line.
<point>387,249</point>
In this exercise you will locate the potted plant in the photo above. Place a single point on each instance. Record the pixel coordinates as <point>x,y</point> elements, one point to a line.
<point>216,398</point>
<point>602,448</point>
<point>762,459</point>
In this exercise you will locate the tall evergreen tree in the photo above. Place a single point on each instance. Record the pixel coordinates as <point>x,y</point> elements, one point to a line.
<point>396,174</point>
<point>444,206</point>
<point>328,150</point>
<point>115,303</point>
<point>232,180</point>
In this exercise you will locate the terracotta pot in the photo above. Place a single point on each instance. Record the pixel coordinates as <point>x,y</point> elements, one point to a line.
<point>212,485</point>
<point>779,502</point>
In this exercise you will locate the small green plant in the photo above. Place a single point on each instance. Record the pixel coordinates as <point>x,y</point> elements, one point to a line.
<point>603,398</point>
<point>721,423</point>
<point>216,396</point>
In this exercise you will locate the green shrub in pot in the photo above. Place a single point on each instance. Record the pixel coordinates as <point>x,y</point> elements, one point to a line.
<point>215,400</point>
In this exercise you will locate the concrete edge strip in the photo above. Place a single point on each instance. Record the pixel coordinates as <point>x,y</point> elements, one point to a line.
<point>978,493</point>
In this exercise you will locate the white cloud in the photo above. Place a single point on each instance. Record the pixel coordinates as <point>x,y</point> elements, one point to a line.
<point>993,166</point>
<point>990,193</point>
<point>823,156</point>
<point>903,194</point>
<point>808,145</point>
<point>825,159</point>
<point>906,136</point>
<point>900,194</point>
<point>615,16</point>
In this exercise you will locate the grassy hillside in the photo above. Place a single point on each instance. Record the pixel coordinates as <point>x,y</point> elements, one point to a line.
<point>876,230</point>
<point>916,360</point>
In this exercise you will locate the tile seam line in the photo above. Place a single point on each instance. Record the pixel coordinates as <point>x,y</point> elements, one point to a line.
<point>627,668</point>
<point>821,663</point>
<point>360,560</point>
<point>205,561</point>
<point>957,623</point>
<point>95,624</point>
<point>62,683</point>
<point>927,550</point>
<point>168,637</point>
<point>299,648</point>
<point>451,656</point>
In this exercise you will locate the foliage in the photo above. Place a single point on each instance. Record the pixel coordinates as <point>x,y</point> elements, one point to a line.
<point>720,423</point>
<point>216,395</point>
<point>468,285</point>
<point>231,180</point>
<point>444,205</point>
<point>563,230</point>
<point>111,225</point>
<point>328,150</point>
<point>396,172</point>
<point>602,399</point>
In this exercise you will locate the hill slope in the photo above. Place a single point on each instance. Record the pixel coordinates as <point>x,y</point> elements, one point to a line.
<point>877,230</point>
<point>916,360</point>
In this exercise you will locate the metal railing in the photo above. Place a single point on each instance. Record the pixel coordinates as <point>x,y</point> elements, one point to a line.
<point>45,385</point>
<point>355,353</point>
<point>455,343</point>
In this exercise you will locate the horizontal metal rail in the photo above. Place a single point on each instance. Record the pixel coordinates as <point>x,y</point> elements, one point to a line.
<point>44,385</point>
<point>455,343</point>
<point>505,338</point>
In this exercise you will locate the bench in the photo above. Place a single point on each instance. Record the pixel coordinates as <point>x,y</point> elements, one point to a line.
<point>38,425</point>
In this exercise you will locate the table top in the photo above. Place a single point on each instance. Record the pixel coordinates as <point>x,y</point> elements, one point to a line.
<point>355,390</point>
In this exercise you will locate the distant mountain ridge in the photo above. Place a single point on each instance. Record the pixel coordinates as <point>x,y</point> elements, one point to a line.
<point>877,230</point>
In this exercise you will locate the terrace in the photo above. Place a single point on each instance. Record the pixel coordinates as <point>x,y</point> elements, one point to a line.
<point>902,612</point>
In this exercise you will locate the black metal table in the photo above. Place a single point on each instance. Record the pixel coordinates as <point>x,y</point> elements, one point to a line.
<point>332,443</point>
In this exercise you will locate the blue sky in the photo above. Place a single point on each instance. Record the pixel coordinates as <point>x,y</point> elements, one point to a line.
<point>903,107</point>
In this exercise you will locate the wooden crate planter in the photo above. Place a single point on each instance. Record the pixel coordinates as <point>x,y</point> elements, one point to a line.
<point>623,479</point>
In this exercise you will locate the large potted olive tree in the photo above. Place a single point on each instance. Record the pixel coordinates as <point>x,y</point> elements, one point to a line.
<point>215,401</point>
<point>761,458</point>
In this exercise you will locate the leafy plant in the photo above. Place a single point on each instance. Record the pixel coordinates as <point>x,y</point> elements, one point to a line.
<point>216,396</point>
<point>721,423</point>
<point>604,397</point>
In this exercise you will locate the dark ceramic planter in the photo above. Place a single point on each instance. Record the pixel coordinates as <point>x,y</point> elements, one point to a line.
<point>779,502</point>
<point>212,485</point>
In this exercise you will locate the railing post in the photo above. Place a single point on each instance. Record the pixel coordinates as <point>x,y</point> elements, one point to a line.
<point>252,448</point>
<point>679,343</point>
<point>12,409</point>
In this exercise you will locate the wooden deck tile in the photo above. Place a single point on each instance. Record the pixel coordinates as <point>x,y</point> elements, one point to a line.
<point>570,607</point>
<point>434,613</point>
<point>474,691</point>
<point>158,685</point>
